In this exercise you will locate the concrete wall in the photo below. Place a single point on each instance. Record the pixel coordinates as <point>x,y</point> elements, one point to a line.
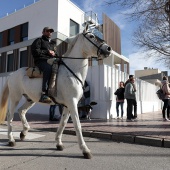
<point>56,14</point>
<point>103,81</point>
<point>66,11</point>
<point>146,72</point>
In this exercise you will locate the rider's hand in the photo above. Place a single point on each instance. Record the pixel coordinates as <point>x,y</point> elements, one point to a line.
<point>52,53</point>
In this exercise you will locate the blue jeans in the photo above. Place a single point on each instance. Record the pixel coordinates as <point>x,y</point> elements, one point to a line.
<point>117,108</point>
<point>52,110</point>
<point>47,70</point>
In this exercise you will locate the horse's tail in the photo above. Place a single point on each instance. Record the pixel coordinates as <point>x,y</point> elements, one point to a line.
<point>4,103</point>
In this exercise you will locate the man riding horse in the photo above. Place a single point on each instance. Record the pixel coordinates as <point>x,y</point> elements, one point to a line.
<point>43,49</point>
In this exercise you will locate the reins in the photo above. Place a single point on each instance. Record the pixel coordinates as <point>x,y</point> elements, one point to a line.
<point>98,47</point>
<point>61,62</point>
<point>70,57</point>
<point>74,58</point>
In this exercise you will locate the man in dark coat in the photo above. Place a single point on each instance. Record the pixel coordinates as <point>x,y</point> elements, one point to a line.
<point>42,49</point>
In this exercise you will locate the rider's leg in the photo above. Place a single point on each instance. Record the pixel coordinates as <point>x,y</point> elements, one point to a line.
<point>46,69</point>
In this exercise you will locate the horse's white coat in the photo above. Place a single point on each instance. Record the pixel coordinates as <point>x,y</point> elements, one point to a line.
<point>69,89</point>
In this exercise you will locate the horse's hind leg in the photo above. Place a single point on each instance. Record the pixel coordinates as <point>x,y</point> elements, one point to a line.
<point>63,122</point>
<point>22,112</point>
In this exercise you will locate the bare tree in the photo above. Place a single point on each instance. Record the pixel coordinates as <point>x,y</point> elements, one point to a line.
<point>153,32</point>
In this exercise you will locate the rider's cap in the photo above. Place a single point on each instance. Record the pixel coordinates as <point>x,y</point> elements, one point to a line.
<point>48,28</point>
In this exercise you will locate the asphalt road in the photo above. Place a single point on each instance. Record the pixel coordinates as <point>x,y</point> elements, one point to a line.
<point>38,152</point>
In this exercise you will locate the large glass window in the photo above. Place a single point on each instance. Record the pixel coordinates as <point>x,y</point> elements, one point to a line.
<point>24,32</point>
<point>11,33</point>
<point>94,61</point>
<point>24,58</point>
<point>10,63</point>
<point>74,28</point>
<point>1,39</point>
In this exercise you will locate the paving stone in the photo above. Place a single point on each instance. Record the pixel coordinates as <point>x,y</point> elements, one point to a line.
<point>148,141</point>
<point>123,138</point>
<point>101,135</point>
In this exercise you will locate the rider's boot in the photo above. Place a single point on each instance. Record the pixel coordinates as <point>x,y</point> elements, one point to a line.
<point>45,98</point>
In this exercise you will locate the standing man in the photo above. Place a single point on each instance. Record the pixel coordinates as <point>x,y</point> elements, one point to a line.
<point>43,49</point>
<point>130,95</point>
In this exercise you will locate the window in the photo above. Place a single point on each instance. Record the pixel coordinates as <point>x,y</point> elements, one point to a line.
<point>74,28</point>
<point>24,32</point>
<point>10,62</point>
<point>94,61</point>
<point>11,33</point>
<point>24,58</point>
<point>1,39</point>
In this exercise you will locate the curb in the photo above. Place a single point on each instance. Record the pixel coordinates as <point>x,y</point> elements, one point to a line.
<point>123,138</point>
<point>141,140</point>
<point>166,143</point>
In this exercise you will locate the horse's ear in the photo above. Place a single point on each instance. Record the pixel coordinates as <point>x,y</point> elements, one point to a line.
<point>86,28</point>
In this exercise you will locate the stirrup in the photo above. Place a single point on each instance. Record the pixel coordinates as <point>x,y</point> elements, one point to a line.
<point>45,99</point>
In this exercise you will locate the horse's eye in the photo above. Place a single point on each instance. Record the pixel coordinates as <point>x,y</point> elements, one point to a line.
<point>91,36</point>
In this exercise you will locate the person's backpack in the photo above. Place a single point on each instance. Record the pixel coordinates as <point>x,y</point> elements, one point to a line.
<point>161,95</point>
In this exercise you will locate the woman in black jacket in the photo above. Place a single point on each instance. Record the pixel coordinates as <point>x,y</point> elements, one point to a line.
<point>120,99</point>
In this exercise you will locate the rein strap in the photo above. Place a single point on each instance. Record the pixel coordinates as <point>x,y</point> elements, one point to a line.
<point>62,62</point>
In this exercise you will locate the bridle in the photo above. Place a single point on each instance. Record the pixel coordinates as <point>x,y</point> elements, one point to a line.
<point>95,42</point>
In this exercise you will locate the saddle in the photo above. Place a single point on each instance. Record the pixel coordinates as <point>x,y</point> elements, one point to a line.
<point>34,72</point>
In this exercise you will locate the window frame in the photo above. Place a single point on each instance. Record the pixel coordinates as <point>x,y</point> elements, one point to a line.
<point>78,28</point>
<point>20,51</point>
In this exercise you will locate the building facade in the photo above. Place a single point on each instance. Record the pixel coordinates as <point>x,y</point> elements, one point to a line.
<point>151,75</point>
<point>19,29</point>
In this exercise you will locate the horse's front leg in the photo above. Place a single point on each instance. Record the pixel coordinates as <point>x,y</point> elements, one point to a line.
<point>10,116</point>
<point>76,121</point>
<point>63,122</point>
<point>22,112</point>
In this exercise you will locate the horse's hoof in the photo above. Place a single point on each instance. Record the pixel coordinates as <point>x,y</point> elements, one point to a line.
<point>87,155</point>
<point>22,136</point>
<point>60,147</point>
<point>12,144</point>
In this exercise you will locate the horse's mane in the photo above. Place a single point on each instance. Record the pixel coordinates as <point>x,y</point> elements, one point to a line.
<point>71,42</point>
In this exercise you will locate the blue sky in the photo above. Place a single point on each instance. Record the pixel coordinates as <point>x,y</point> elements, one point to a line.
<point>127,28</point>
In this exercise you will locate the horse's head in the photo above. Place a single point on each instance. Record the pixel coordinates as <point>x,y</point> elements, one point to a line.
<point>100,48</point>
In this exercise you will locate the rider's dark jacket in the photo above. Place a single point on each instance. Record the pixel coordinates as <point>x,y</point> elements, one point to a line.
<point>40,48</point>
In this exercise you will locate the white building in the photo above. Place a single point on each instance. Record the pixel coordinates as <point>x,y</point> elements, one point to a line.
<point>19,29</point>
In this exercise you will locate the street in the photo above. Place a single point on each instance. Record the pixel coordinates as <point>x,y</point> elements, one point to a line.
<point>38,151</point>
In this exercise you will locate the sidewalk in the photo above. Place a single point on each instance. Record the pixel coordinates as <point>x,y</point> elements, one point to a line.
<point>148,129</point>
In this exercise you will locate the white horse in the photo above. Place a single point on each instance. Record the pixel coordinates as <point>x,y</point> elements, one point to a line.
<point>69,92</point>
